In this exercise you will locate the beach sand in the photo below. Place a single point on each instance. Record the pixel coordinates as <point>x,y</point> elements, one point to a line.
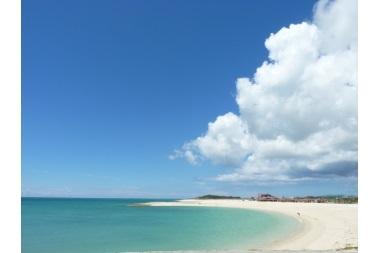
<point>324,226</point>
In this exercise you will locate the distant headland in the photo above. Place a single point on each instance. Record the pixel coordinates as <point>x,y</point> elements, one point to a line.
<point>210,196</point>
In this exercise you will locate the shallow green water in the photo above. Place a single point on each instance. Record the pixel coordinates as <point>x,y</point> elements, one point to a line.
<point>111,225</point>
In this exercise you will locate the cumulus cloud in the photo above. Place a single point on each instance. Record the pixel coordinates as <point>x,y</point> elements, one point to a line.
<point>298,113</point>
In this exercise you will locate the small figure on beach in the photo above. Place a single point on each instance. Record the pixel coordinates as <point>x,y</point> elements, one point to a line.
<point>298,214</point>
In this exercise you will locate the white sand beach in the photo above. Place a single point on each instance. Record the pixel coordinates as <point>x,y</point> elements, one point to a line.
<point>324,226</point>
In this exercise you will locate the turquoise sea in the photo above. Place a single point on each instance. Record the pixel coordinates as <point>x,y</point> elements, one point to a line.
<point>111,225</point>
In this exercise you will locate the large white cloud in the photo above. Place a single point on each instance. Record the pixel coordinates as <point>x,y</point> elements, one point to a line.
<point>298,114</point>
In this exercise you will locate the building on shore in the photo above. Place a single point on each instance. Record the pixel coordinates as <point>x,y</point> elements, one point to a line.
<point>266,197</point>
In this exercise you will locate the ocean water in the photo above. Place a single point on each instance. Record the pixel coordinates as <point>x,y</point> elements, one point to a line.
<point>112,225</point>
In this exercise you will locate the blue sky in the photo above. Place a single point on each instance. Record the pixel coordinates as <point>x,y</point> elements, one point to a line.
<point>111,88</point>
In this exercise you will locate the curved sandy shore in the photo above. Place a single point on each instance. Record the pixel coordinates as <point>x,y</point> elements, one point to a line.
<point>324,226</point>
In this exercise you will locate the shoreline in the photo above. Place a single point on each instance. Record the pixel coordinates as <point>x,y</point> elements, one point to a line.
<point>323,226</point>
